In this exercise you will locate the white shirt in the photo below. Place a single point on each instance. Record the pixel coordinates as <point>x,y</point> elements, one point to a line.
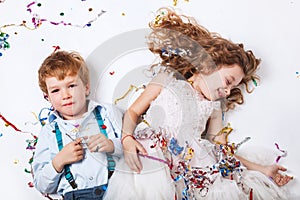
<point>89,172</point>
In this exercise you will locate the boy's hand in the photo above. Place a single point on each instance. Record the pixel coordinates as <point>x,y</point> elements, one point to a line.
<point>70,153</point>
<point>99,143</point>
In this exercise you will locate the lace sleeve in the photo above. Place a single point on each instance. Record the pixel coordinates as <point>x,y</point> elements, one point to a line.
<point>162,78</point>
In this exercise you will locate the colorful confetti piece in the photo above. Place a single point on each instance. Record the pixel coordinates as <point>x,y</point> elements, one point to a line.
<point>37,21</point>
<point>284,153</point>
<point>4,45</point>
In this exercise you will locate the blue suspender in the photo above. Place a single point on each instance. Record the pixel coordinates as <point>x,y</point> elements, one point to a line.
<point>68,173</point>
<point>110,161</point>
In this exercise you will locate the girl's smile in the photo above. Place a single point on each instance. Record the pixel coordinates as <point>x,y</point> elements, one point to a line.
<point>219,83</point>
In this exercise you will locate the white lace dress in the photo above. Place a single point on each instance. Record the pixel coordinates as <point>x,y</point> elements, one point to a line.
<point>180,163</point>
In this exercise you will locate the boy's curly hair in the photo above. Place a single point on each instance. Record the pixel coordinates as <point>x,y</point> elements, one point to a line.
<point>61,64</point>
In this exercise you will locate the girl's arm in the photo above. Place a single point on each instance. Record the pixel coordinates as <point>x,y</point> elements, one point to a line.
<point>272,171</point>
<point>130,146</point>
<point>214,126</point>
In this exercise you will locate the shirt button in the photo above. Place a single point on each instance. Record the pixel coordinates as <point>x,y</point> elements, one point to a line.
<point>91,178</point>
<point>97,191</point>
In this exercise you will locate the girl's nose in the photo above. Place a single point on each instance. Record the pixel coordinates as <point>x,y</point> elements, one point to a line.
<point>227,92</point>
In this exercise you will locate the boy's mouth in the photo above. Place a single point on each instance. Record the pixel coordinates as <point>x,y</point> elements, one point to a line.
<point>68,104</point>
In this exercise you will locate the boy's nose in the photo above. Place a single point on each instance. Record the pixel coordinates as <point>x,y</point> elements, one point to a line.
<point>66,94</point>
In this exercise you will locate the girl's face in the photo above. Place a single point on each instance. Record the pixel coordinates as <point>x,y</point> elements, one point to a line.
<point>68,96</point>
<point>218,84</point>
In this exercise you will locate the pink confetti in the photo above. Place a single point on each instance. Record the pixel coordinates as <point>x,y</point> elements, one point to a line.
<point>283,151</point>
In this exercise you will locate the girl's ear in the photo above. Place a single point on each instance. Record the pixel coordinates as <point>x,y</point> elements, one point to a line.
<point>46,97</point>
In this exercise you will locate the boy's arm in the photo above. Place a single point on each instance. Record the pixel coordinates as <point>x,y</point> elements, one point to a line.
<point>115,119</point>
<point>45,177</point>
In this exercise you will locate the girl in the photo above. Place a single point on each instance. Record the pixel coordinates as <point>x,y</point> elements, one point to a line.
<point>178,150</point>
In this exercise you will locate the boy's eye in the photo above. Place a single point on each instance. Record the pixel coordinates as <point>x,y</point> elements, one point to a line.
<point>54,91</point>
<point>72,85</point>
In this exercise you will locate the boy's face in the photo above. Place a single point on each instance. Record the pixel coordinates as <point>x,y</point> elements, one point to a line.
<point>68,96</point>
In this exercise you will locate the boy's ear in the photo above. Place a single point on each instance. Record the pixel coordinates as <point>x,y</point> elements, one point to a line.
<point>46,97</point>
<point>87,89</point>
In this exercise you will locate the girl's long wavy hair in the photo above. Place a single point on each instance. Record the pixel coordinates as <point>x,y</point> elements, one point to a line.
<point>191,48</point>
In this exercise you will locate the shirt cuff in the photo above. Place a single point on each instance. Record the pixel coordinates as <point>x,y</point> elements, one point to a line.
<point>118,150</point>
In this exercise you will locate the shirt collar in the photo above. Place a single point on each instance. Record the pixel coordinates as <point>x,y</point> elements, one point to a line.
<point>91,106</point>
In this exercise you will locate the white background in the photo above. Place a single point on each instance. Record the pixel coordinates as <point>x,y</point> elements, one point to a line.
<point>270,28</point>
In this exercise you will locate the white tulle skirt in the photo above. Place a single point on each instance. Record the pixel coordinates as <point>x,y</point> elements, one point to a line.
<point>155,182</point>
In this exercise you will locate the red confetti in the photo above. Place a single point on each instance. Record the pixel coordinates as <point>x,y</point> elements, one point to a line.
<point>7,123</point>
<point>112,73</point>
<point>55,49</point>
<point>30,184</point>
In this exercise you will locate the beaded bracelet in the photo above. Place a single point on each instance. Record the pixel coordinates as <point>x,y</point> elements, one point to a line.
<point>129,135</point>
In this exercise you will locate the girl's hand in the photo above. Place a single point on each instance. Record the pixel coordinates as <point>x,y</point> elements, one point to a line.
<point>100,143</point>
<point>69,154</point>
<point>131,148</point>
<point>273,171</point>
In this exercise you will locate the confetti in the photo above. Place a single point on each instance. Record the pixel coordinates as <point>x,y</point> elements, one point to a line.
<point>56,48</point>
<point>112,72</point>
<point>30,184</point>
<point>37,20</point>
<point>176,1</point>
<point>197,179</point>
<point>4,45</point>
<point>7,123</point>
<point>284,153</point>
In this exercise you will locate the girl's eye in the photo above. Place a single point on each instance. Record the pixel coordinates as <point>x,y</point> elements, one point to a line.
<point>55,90</point>
<point>228,82</point>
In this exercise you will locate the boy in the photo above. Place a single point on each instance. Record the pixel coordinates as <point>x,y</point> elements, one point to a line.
<point>73,155</point>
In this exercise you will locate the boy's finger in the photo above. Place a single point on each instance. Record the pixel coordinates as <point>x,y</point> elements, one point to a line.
<point>78,140</point>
